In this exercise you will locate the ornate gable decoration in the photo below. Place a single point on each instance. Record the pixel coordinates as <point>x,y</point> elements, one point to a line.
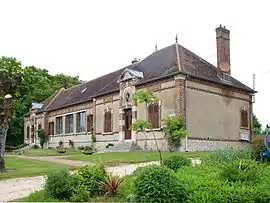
<point>129,74</point>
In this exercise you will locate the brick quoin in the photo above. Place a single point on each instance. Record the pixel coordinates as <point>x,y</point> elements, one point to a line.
<point>180,97</point>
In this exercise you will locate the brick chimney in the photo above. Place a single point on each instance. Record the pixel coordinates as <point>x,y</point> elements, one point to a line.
<point>223,49</point>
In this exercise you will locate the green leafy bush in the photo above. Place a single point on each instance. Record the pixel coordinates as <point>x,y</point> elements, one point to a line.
<point>240,171</point>
<point>10,148</point>
<point>204,184</point>
<point>157,184</point>
<point>175,131</point>
<point>176,162</point>
<point>21,146</point>
<point>224,155</point>
<point>91,177</point>
<point>42,137</point>
<point>39,196</point>
<point>93,138</point>
<point>59,185</point>
<point>88,148</point>
<point>34,147</point>
<point>109,145</point>
<point>257,145</point>
<point>80,194</point>
<point>81,148</point>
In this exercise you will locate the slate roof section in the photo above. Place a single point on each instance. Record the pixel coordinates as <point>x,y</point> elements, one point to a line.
<point>160,63</point>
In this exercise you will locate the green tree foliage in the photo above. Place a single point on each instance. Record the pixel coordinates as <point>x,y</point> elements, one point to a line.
<point>10,80</point>
<point>257,126</point>
<point>37,85</point>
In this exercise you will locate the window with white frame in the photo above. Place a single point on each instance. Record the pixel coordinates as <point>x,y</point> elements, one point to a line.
<point>69,124</point>
<point>59,125</point>
<point>81,122</point>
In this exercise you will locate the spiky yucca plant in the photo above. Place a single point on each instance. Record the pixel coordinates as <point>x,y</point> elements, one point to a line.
<point>111,185</point>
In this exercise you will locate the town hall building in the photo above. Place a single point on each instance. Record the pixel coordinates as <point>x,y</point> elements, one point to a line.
<point>216,107</point>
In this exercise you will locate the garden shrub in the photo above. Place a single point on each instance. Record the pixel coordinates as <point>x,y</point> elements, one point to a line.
<point>39,196</point>
<point>224,155</point>
<point>80,194</point>
<point>10,148</point>
<point>204,184</point>
<point>257,145</point>
<point>34,147</point>
<point>157,184</point>
<point>176,162</point>
<point>241,171</point>
<point>81,148</point>
<point>91,177</point>
<point>109,145</point>
<point>88,148</point>
<point>59,185</point>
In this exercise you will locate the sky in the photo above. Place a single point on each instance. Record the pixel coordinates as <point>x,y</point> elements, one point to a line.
<point>88,38</point>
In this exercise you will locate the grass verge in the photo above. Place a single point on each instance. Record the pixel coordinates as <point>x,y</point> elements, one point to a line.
<point>50,152</point>
<point>112,158</point>
<point>20,167</point>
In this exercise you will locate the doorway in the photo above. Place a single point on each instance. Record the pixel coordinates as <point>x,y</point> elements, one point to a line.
<point>128,122</point>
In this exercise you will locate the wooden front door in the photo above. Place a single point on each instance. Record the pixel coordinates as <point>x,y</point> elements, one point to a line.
<point>128,122</point>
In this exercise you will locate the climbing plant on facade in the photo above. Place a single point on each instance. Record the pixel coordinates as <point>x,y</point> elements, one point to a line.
<point>175,131</point>
<point>10,80</point>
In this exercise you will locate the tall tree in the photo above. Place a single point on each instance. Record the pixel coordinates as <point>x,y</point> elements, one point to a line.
<point>257,126</point>
<point>37,85</point>
<point>10,80</point>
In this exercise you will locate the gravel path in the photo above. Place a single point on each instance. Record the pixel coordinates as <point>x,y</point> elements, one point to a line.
<point>21,187</point>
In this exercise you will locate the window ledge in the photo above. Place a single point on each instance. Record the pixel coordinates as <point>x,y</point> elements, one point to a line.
<point>58,135</point>
<point>107,133</point>
<point>154,129</point>
<point>69,134</point>
<point>82,133</point>
<point>244,128</point>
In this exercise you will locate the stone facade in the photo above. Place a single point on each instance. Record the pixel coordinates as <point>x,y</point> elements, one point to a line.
<point>193,100</point>
<point>217,108</point>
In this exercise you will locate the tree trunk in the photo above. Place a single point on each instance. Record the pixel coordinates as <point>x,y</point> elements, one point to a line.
<point>3,136</point>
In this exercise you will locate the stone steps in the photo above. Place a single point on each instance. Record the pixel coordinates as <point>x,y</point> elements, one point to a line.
<point>124,146</point>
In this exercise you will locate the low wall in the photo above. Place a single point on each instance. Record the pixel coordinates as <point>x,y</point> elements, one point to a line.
<point>78,140</point>
<point>211,145</point>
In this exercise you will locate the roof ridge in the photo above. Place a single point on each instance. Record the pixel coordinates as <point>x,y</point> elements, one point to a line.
<point>53,98</point>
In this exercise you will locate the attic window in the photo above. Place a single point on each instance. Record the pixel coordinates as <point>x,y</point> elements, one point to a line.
<point>83,90</point>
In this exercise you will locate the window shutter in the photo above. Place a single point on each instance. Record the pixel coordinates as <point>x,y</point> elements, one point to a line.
<point>244,119</point>
<point>153,115</point>
<point>91,123</point>
<point>28,132</point>
<point>77,122</point>
<point>109,121</point>
<point>88,123</point>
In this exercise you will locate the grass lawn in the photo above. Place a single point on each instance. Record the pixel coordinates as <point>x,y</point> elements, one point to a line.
<point>133,157</point>
<point>50,152</point>
<point>28,167</point>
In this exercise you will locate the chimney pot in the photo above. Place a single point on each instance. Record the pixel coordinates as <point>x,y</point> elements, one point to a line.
<point>223,49</point>
<point>135,60</point>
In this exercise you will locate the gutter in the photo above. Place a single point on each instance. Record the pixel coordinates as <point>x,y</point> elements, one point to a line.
<point>186,120</point>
